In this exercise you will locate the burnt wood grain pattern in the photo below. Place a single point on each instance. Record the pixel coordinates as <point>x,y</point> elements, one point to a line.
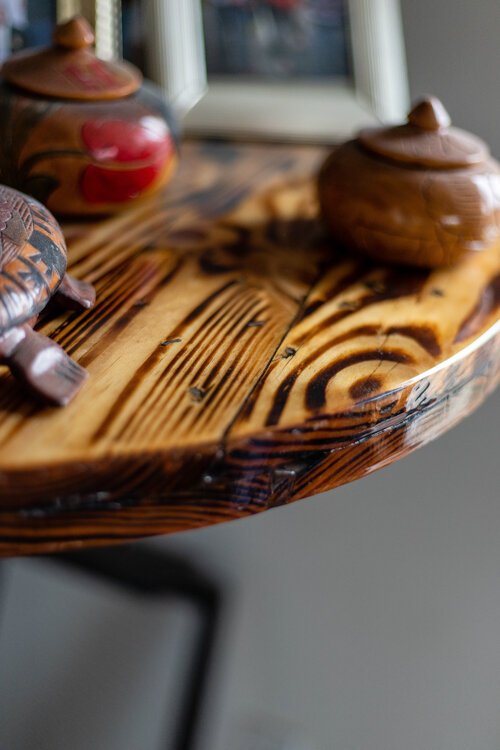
<point>238,360</point>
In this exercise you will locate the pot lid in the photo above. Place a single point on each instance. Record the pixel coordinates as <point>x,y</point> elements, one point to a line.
<point>426,140</point>
<point>69,69</point>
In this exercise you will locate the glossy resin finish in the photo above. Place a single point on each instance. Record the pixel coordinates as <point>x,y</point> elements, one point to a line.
<point>238,362</point>
<point>33,269</point>
<point>90,151</point>
<point>420,194</point>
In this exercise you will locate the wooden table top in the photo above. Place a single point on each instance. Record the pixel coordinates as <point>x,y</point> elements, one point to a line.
<point>238,361</point>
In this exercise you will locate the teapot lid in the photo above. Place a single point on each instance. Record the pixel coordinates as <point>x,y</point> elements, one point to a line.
<point>70,70</point>
<point>426,140</point>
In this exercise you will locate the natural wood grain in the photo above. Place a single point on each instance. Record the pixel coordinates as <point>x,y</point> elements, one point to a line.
<point>238,361</point>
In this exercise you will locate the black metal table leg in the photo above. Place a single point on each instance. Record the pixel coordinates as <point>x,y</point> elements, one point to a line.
<point>147,572</point>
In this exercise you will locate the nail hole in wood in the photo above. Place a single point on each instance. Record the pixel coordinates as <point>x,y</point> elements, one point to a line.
<point>375,286</point>
<point>198,394</point>
<point>289,352</point>
<point>255,323</point>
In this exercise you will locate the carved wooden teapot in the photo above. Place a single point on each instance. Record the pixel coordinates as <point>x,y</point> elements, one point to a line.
<point>82,135</point>
<point>421,194</point>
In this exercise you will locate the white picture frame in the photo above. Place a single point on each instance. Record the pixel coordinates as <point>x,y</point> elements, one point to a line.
<point>304,111</point>
<point>105,17</point>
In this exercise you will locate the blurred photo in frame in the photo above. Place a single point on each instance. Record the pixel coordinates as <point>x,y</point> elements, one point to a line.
<point>277,39</point>
<point>311,70</point>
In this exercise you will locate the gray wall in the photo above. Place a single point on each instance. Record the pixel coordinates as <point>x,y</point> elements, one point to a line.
<point>364,619</point>
<point>453,51</point>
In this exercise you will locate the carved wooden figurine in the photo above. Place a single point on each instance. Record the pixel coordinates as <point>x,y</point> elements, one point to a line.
<point>32,270</point>
<point>82,135</point>
<point>420,194</point>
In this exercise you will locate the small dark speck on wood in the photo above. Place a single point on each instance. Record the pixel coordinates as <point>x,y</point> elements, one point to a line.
<point>375,286</point>
<point>167,342</point>
<point>255,323</point>
<point>141,303</point>
<point>198,394</point>
<point>289,352</point>
<point>348,305</point>
<point>437,292</point>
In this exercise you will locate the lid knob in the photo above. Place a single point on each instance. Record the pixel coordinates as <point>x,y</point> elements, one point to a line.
<point>429,114</point>
<point>76,33</point>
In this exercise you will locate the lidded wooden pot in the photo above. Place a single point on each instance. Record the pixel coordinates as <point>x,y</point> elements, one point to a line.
<point>83,135</point>
<point>421,194</point>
